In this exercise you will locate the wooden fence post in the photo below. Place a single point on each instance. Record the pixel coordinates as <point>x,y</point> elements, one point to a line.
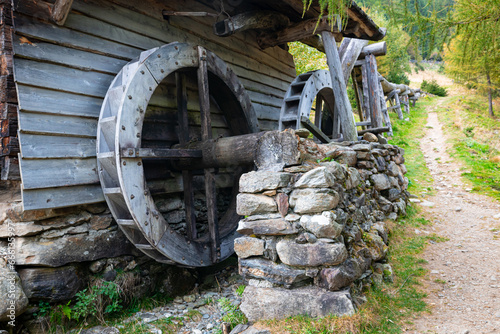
<point>373,89</point>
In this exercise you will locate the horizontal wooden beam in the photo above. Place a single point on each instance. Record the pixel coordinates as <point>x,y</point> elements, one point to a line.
<point>374,130</point>
<point>300,31</point>
<point>61,10</point>
<point>259,20</point>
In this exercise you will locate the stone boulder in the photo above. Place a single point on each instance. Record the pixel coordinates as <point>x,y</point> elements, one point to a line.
<point>254,182</point>
<point>14,300</point>
<point>313,200</point>
<point>250,204</point>
<point>277,226</point>
<point>279,274</point>
<point>52,284</point>
<point>279,303</point>
<point>381,181</point>
<point>311,255</point>
<point>81,247</point>
<point>322,226</point>
<point>246,246</point>
<point>320,177</point>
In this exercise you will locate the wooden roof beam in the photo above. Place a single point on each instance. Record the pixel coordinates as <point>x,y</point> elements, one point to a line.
<point>301,31</point>
<point>61,10</point>
<point>262,20</point>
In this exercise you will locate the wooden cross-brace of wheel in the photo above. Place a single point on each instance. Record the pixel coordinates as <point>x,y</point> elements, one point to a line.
<point>121,157</point>
<point>307,88</point>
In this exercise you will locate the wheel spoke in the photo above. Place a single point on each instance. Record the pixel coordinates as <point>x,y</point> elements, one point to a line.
<point>187,176</point>
<point>206,134</point>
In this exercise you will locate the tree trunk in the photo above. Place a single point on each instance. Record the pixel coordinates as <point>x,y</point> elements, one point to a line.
<point>490,102</point>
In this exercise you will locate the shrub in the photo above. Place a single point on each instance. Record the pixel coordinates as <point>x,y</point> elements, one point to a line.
<point>432,87</point>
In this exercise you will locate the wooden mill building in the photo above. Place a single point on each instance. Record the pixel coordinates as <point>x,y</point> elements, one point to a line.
<point>88,84</point>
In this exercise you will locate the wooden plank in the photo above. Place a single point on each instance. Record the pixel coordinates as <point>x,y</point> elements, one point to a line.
<point>144,16</point>
<point>83,60</point>
<point>314,129</point>
<point>61,197</point>
<point>374,130</point>
<point>41,173</point>
<point>50,147</point>
<point>30,28</point>
<point>342,104</point>
<point>113,33</point>
<point>240,54</point>
<point>60,125</point>
<point>47,101</point>
<point>61,10</point>
<point>61,78</point>
<point>366,93</point>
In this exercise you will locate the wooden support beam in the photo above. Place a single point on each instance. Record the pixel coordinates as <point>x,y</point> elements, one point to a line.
<point>61,10</point>
<point>374,91</point>
<point>206,134</point>
<point>260,20</point>
<point>342,104</point>
<point>366,93</point>
<point>306,123</point>
<point>301,31</point>
<point>349,54</point>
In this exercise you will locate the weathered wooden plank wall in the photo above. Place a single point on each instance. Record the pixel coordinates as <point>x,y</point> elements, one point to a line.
<point>62,74</point>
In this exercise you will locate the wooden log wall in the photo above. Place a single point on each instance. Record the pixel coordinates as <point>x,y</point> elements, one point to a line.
<point>9,145</point>
<point>62,74</point>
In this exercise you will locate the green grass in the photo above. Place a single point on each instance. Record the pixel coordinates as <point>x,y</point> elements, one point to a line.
<point>407,135</point>
<point>473,140</point>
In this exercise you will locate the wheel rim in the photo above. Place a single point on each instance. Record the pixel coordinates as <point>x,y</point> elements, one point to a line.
<point>121,168</point>
<point>307,88</point>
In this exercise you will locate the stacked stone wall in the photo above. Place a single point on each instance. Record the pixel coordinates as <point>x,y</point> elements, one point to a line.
<point>315,232</point>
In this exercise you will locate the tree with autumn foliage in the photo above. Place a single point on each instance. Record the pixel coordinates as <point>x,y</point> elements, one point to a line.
<point>473,56</point>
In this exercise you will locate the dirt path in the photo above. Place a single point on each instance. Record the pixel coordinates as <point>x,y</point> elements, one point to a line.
<point>463,283</point>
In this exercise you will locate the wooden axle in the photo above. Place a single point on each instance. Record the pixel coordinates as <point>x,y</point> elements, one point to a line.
<point>222,152</point>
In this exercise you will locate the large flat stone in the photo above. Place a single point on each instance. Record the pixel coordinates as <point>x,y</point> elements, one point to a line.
<point>52,284</point>
<point>13,301</point>
<point>279,274</point>
<point>250,204</point>
<point>323,225</point>
<point>381,181</point>
<point>279,303</point>
<point>311,255</point>
<point>24,229</point>
<point>57,252</point>
<point>245,247</point>
<point>320,177</point>
<point>313,200</point>
<point>254,182</point>
<point>277,226</point>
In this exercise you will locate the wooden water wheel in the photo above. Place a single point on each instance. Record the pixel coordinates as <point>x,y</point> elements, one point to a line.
<point>184,162</point>
<point>307,89</point>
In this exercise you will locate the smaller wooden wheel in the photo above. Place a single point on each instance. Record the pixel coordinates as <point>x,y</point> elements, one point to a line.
<point>307,89</point>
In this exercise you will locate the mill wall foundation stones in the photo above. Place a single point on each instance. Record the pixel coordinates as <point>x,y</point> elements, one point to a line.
<point>314,231</point>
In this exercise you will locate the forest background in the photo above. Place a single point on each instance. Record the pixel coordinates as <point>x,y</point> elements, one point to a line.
<point>463,36</point>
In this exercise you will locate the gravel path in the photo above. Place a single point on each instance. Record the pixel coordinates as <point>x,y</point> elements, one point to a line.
<point>463,282</point>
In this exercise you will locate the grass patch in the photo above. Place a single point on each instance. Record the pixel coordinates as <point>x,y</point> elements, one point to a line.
<point>407,135</point>
<point>474,142</point>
